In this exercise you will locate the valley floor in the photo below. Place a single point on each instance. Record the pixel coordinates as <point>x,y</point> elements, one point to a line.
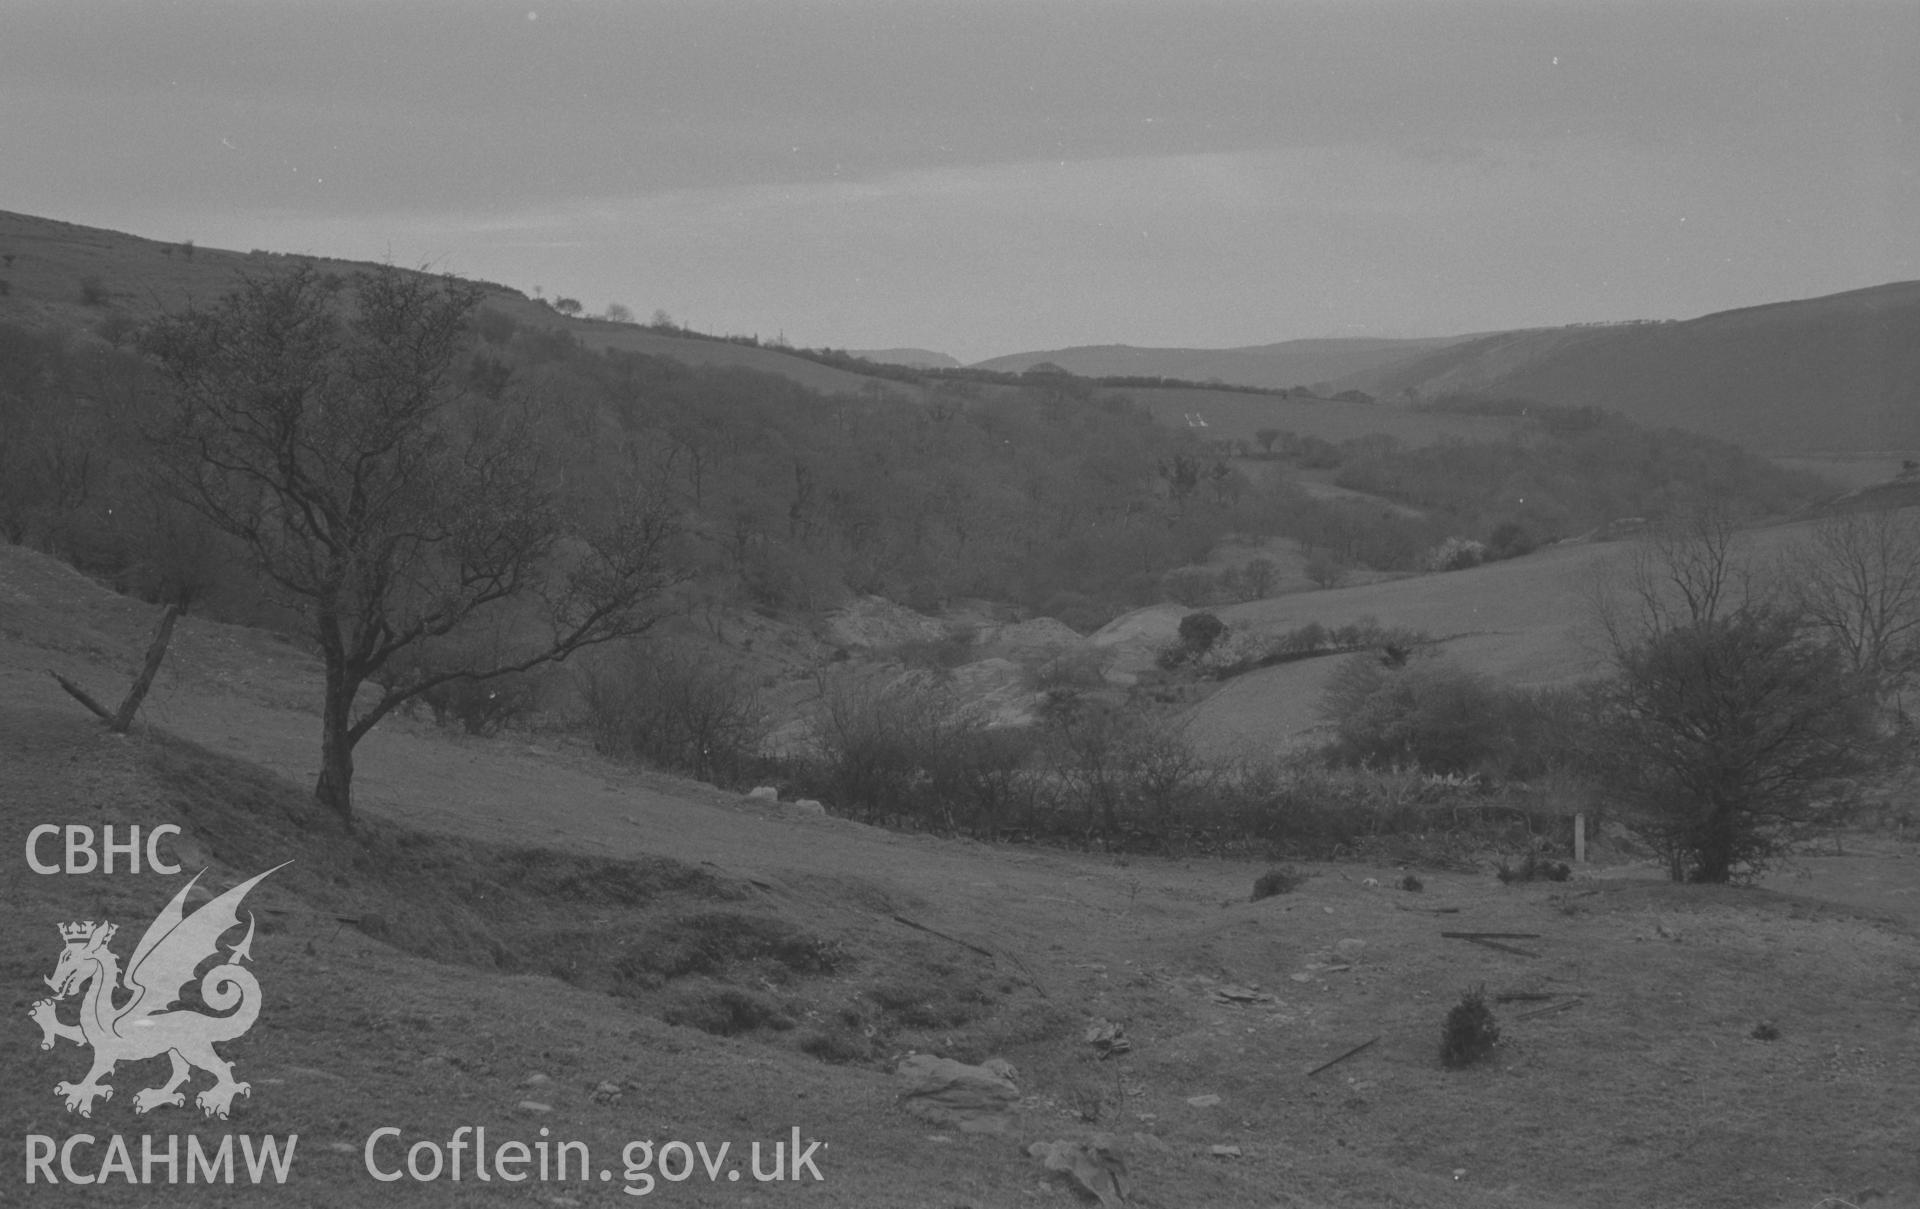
<point>1647,1089</point>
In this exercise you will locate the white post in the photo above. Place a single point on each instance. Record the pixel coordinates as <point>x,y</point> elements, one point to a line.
<point>1579,839</point>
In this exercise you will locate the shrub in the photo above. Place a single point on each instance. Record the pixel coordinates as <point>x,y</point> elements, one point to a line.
<point>887,749</point>
<point>1425,712</point>
<point>1733,736</point>
<point>1282,880</point>
<point>1534,868</point>
<point>93,292</point>
<point>479,707</point>
<point>1456,554</point>
<point>1470,1033</point>
<point>482,707</point>
<point>1325,570</point>
<point>674,708</point>
<point>1199,631</point>
<point>1257,579</point>
<point>723,1010</point>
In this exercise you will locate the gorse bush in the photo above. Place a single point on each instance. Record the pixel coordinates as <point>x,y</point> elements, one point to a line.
<point>1407,707</point>
<point>1470,1032</point>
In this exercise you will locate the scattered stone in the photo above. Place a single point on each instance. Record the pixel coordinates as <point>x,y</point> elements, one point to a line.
<point>943,1092</point>
<point>533,1106</point>
<point>1372,883</point>
<point>1349,950</point>
<point>1096,1164</point>
<point>536,1079</point>
<point>808,806</point>
<point>1224,1152</point>
<point>1239,994</point>
<point>1153,1142</point>
<point>1106,1037</point>
<point>1206,1101</point>
<point>764,793</point>
<point>607,1093</point>
<point>1005,1069</point>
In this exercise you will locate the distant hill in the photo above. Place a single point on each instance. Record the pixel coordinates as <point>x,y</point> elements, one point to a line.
<point>1272,366</point>
<point>913,358</point>
<point>1838,373</point>
<point>63,275</point>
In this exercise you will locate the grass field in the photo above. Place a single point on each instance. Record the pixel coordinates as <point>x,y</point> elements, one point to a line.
<point>1527,621</point>
<point>140,278</point>
<point>1232,415</point>
<point>414,979</point>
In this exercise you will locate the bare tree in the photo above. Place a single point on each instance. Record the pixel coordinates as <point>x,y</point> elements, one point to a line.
<point>1683,570</point>
<point>329,435</point>
<point>1857,577</point>
<point>1731,720</point>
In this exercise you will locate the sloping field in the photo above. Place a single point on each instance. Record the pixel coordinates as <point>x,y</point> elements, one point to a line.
<point>142,277</point>
<point>1276,366</point>
<point>1643,1085</point>
<point>1231,415</point>
<point>1526,621</point>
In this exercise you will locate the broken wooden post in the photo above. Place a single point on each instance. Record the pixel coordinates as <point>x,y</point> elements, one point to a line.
<point>1342,1058</point>
<point>120,720</point>
<point>1579,839</point>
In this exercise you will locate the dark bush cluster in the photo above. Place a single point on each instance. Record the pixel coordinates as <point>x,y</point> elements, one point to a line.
<point>1534,868</point>
<point>675,709</point>
<point>1470,1032</point>
<point>1282,880</point>
<point>1416,709</point>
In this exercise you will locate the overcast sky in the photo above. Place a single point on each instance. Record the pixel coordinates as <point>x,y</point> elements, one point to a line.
<point>987,176</point>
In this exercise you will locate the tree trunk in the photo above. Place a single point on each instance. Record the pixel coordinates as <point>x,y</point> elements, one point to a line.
<point>156,652</point>
<point>334,789</point>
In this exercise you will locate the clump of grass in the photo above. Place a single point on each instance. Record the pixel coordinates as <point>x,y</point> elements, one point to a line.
<point>1412,884</point>
<point>1282,879</point>
<point>723,1010</point>
<point>1470,1032</point>
<point>837,1047</point>
<point>1766,1030</point>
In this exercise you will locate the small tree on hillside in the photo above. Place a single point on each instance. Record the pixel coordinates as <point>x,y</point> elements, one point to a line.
<point>1731,716</point>
<point>1857,578</point>
<point>330,437</point>
<point>1729,736</point>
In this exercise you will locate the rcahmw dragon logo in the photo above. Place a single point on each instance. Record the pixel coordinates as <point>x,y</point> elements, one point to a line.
<point>142,1027</point>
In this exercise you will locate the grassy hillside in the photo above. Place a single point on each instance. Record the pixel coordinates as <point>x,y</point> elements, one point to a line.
<point>1527,621</point>
<point>510,940</point>
<point>1274,366</point>
<point>1833,374</point>
<point>1234,416</point>
<point>61,275</point>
